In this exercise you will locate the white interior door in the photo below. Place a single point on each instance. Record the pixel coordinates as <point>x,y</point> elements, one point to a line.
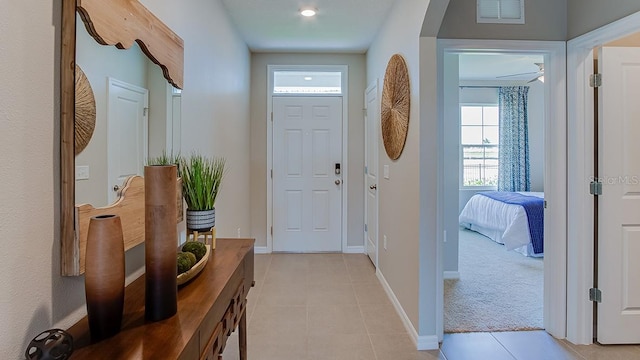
<point>127,133</point>
<point>307,188</point>
<point>619,205</point>
<point>371,172</point>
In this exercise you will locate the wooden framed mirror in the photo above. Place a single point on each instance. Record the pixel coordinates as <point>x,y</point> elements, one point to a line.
<point>121,24</point>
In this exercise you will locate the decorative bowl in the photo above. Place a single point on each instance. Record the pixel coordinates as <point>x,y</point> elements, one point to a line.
<point>195,269</point>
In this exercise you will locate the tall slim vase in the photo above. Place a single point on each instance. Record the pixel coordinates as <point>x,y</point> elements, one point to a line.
<point>104,276</point>
<point>161,241</point>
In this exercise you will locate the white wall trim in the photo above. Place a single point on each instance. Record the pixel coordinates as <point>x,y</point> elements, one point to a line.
<point>345,142</point>
<point>555,282</point>
<point>428,342</point>
<point>261,250</point>
<point>354,249</point>
<point>580,168</point>
<point>373,86</point>
<point>451,275</point>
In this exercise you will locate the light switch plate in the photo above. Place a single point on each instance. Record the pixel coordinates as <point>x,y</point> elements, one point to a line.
<point>386,171</point>
<point>82,172</point>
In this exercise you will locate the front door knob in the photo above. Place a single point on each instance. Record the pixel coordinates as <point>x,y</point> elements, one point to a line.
<point>338,182</point>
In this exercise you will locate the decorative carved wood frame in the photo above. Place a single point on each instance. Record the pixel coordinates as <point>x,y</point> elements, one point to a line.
<point>118,23</point>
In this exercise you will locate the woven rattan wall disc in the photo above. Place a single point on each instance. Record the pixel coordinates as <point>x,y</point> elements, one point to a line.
<point>85,121</point>
<point>394,115</point>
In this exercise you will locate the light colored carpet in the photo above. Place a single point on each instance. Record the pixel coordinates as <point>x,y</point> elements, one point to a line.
<point>498,290</point>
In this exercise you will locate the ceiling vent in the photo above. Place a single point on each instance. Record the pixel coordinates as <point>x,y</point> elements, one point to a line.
<point>500,12</point>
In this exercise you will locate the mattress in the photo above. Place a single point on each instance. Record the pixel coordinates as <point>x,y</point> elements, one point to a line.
<point>504,223</point>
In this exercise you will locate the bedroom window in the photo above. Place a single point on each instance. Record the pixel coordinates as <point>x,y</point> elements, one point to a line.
<point>479,141</point>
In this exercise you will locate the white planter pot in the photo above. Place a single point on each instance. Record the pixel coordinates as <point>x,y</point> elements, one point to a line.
<point>201,220</point>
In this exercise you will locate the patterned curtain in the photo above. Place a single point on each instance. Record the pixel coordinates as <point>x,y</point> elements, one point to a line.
<point>513,166</point>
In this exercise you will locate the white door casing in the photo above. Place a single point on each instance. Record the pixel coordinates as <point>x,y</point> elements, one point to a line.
<point>176,124</point>
<point>371,171</point>
<point>307,190</point>
<point>127,134</point>
<point>619,205</point>
<point>555,183</point>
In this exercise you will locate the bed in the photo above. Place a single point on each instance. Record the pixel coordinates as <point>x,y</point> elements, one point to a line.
<point>510,218</point>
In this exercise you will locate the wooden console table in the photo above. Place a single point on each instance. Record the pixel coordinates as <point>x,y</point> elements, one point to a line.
<point>210,307</point>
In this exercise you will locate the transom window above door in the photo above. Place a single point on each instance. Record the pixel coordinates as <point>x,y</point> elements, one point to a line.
<point>479,142</point>
<point>307,82</point>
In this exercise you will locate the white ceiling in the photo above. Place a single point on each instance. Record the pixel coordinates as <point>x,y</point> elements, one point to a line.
<point>346,26</point>
<point>483,67</point>
<point>339,26</point>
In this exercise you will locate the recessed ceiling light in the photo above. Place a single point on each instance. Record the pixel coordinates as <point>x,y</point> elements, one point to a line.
<point>308,78</point>
<point>308,12</point>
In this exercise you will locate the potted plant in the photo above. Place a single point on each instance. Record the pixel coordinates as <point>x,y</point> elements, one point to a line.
<point>201,181</point>
<point>164,159</point>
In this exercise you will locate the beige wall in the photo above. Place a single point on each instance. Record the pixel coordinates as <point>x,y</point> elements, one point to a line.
<point>544,20</point>
<point>215,99</point>
<point>398,196</point>
<point>356,69</point>
<point>587,15</point>
<point>34,296</point>
<point>431,136</point>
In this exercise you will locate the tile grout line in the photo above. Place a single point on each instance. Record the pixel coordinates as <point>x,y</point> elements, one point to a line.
<point>504,347</point>
<point>569,345</point>
<point>571,349</point>
<point>373,348</point>
<point>266,271</point>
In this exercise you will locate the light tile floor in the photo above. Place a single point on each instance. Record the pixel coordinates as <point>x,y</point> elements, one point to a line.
<point>332,307</point>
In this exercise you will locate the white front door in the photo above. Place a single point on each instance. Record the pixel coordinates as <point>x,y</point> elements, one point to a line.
<point>619,205</point>
<point>371,172</point>
<point>307,174</point>
<point>127,133</point>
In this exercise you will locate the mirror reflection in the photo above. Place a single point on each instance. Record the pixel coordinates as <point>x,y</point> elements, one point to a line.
<point>137,116</point>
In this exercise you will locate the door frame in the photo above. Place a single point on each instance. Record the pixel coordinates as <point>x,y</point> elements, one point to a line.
<point>373,86</point>
<point>580,222</point>
<point>174,120</point>
<point>555,182</point>
<point>112,83</point>
<point>344,69</point>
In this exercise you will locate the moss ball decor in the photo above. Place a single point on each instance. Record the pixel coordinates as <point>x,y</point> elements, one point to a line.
<point>184,263</point>
<point>195,247</point>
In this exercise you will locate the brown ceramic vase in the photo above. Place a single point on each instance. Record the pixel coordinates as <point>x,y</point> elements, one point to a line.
<point>104,276</point>
<point>161,242</point>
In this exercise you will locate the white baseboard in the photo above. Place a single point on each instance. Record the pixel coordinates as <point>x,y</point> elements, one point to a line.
<point>429,342</point>
<point>349,250</point>
<point>451,275</point>
<point>354,250</point>
<point>261,250</point>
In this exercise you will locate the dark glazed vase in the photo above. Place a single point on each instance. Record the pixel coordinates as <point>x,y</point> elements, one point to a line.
<point>161,242</point>
<point>104,276</point>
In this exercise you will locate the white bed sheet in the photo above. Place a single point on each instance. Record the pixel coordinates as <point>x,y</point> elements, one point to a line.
<point>504,223</point>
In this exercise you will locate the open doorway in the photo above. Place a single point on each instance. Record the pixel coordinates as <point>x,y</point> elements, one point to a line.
<point>501,110</point>
<point>544,59</point>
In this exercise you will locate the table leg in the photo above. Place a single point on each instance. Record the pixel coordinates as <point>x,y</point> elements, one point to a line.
<point>242,335</point>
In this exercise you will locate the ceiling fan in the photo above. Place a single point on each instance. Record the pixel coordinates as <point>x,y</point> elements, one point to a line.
<point>536,74</point>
